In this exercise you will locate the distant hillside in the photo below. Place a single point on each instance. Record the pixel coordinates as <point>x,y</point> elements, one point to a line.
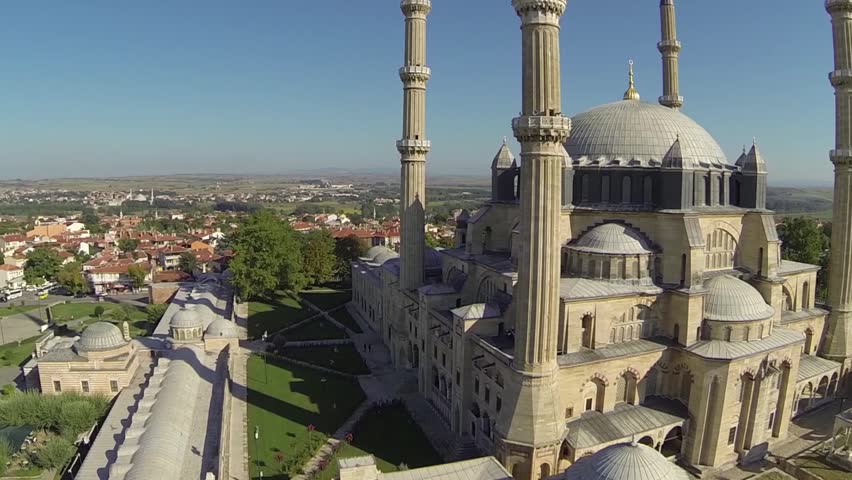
<point>809,201</point>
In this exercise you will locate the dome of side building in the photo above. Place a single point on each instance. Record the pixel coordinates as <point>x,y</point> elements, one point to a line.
<point>100,336</point>
<point>222,328</point>
<point>626,461</point>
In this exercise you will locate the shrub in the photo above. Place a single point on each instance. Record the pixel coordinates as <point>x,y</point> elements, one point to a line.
<point>5,454</point>
<point>155,312</point>
<point>63,413</point>
<point>54,454</point>
<point>8,389</point>
<point>99,310</point>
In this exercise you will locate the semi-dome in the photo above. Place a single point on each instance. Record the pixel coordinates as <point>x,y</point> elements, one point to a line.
<point>222,328</point>
<point>385,256</point>
<point>100,336</point>
<point>626,461</point>
<point>631,132</point>
<point>373,251</point>
<point>612,238</point>
<point>186,317</point>
<point>731,299</point>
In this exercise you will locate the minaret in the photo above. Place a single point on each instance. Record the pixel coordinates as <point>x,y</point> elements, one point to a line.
<point>152,197</point>
<point>532,428</point>
<point>838,341</point>
<point>670,48</point>
<point>413,147</point>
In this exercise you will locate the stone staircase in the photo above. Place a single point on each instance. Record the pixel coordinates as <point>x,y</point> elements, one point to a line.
<point>449,446</point>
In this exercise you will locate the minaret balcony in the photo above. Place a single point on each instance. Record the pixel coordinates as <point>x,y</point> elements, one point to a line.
<point>407,146</point>
<point>415,73</point>
<point>550,6</point>
<point>542,128</point>
<point>840,77</point>
<point>841,156</point>
<point>421,7</point>
<point>669,46</point>
<point>838,5</point>
<point>671,100</point>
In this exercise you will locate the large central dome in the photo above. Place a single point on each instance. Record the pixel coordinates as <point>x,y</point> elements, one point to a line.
<point>631,132</point>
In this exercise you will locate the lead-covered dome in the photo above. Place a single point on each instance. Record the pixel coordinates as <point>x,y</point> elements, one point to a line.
<point>631,132</point>
<point>626,461</point>
<point>731,299</point>
<point>222,328</point>
<point>186,317</point>
<point>612,238</point>
<point>100,336</point>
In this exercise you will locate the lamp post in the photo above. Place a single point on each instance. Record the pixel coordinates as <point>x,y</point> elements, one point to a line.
<point>256,451</point>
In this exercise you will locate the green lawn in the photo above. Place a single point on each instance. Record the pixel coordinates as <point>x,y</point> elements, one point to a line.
<point>274,315</point>
<point>326,298</point>
<point>13,309</point>
<point>317,329</point>
<point>343,358</point>
<point>12,354</point>
<point>390,435</point>
<point>774,476</point>
<point>65,312</point>
<point>283,399</point>
<point>342,315</point>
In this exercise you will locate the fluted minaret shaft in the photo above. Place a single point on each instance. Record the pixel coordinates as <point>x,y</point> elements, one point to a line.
<point>541,129</point>
<point>839,337</point>
<point>413,147</point>
<point>669,46</point>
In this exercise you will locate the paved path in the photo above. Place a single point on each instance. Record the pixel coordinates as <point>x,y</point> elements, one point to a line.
<point>238,464</point>
<point>20,326</point>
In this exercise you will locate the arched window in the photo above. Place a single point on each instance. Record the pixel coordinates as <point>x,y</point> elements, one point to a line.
<point>605,189</point>
<point>612,336</point>
<point>721,190</point>
<point>728,332</point>
<point>587,330</point>
<point>585,187</point>
<point>676,333</point>
<point>626,190</point>
<point>707,192</point>
<point>720,250</point>
<point>685,386</point>
<point>806,295</point>
<point>647,193</point>
<point>683,269</point>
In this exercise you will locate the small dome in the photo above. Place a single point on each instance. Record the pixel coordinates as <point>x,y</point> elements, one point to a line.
<point>385,256</point>
<point>731,299</point>
<point>612,238</point>
<point>374,251</point>
<point>186,317</point>
<point>222,328</point>
<point>626,461</point>
<point>100,336</point>
<point>633,131</point>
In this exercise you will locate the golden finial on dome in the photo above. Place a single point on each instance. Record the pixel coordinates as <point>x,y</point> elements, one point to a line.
<point>631,93</point>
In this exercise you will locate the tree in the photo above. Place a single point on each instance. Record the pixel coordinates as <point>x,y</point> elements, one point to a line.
<point>802,240</point>
<point>99,310</point>
<point>128,245</point>
<point>155,312</point>
<point>346,250</point>
<point>70,276</point>
<point>318,260</point>
<point>188,262</point>
<point>267,255</point>
<point>442,242</point>
<point>137,275</point>
<point>42,264</point>
<point>92,222</point>
<point>2,259</point>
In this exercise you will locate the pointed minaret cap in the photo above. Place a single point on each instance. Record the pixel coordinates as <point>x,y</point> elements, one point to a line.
<point>504,158</point>
<point>741,158</point>
<point>631,93</point>
<point>674,158</point>
<point>754,162</point>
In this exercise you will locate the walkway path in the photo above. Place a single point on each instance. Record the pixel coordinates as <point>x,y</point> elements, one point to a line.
<point>238,464</point>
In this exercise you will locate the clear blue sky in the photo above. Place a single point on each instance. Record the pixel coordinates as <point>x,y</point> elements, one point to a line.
<point>268,86</point>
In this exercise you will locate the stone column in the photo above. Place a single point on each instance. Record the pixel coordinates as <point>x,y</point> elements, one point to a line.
<point>670,48</point>
<point>413,147</point>
<point>838,342</point>
<point>531,429</point>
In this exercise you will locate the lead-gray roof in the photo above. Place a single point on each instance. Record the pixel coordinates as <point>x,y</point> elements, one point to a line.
<point>811,366</point>
<point>731,299</point>
<point>789,316</point>
<point>612,238</point>
<point>624,349</point>
<point>100,336</point>
<point>485,468</point>
<point>788,266</point>
<point>504,158</point>
<point>627,133</point>
<point>723,350</point>
<point>596,428</point>
<point>584,288</point>
<point>626,461</point>
<point>478,311</point>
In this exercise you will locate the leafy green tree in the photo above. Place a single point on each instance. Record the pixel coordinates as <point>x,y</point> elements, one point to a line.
<point>2,259</point>
<point>42,263</point>
<point>55,453</point>
<point>70,276</point>
<point>137,274</point>
<point>155,312</point>
<point>188,262</point>
<point>804,241</point>
<point>128,245</point>
<point>318,260</point>
<point>346,250</point>
<point>92,222</point>
<point>436,242</point>
<point>267,255</point>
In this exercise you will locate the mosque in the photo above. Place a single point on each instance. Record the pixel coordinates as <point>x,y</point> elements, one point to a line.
<point>622,295</point>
